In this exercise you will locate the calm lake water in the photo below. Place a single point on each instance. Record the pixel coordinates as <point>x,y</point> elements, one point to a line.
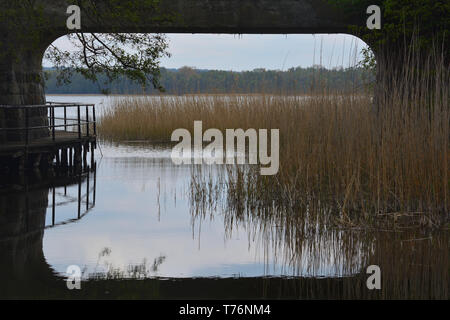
<point>137,219</point>
<point>142,212</point>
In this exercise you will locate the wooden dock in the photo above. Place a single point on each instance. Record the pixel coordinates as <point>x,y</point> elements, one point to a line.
<point>63,139</point>
<point>67,144</point>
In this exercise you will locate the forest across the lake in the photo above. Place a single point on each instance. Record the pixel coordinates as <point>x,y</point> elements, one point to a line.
<point>187,80</point>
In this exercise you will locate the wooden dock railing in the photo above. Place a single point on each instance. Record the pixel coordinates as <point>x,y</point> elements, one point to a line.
<point>85,118</point>
<point>66,127</point>
<point>79,122</point>
<point>88,199</point>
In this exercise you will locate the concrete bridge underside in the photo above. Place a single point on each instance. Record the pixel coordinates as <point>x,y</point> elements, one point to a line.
<point>17,78</point>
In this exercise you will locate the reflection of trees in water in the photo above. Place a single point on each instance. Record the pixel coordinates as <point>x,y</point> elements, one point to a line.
<point>304,237</point>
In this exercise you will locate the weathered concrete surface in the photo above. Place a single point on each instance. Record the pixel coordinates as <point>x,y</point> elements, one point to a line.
<point>26,36</point>
<point>21,83</point>
<point>220,16</point>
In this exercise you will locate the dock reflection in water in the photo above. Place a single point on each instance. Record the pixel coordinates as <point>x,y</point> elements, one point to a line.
<point>145,236</point>
<point>29,205</point>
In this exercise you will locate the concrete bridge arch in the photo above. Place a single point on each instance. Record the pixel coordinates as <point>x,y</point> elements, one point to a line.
<point>26,36</point>
<point>18,73</point>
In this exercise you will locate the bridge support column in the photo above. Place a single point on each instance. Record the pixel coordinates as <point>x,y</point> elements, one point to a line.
<point>22,83</point>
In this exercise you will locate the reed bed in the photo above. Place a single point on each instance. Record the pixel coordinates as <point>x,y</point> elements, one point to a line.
<point>369,162</point>
<point>332,146</point>
<point>360,182</point>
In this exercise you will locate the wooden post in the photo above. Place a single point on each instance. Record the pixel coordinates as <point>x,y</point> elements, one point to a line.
<point>79,122</point>
<point>93,119</point>
<point>92,155</point>
<point>50,160</point>
<point>85,151</point>
<point>87,191</point>
<point>64,157</point>
<point>53,123</point>
<point>65,118</point>
<point>79,197</point>
<point>58,159</point>
<point>53,207</point>
<point>87,121</point>
<point>71,157</point>
<point>77,156</point>
<point>95,182</point>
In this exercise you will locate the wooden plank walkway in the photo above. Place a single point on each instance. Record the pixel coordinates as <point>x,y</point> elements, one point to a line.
<point>63,139</point>
<point>62,148</point>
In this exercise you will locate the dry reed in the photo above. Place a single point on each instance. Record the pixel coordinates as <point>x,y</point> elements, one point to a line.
<point>389,163</point>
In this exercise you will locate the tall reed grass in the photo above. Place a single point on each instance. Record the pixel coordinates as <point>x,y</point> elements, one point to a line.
<point>389,163</point>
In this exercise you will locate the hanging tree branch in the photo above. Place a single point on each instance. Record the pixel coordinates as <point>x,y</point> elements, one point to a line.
<point>135,56</point>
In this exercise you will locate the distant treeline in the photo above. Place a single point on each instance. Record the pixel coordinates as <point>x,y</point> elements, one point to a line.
<point>188,80</point>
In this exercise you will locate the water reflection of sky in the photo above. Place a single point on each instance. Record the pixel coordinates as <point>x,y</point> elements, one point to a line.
<point>142,211</point>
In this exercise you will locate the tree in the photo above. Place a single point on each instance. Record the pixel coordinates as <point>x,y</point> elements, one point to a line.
<point>401,20</point>
<point>28,28</point>
<point>133,55</point>
<point>407,25</point>
<point>411,48</point>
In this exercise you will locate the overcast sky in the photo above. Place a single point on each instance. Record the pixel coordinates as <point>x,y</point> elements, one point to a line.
<point>247,52</point>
